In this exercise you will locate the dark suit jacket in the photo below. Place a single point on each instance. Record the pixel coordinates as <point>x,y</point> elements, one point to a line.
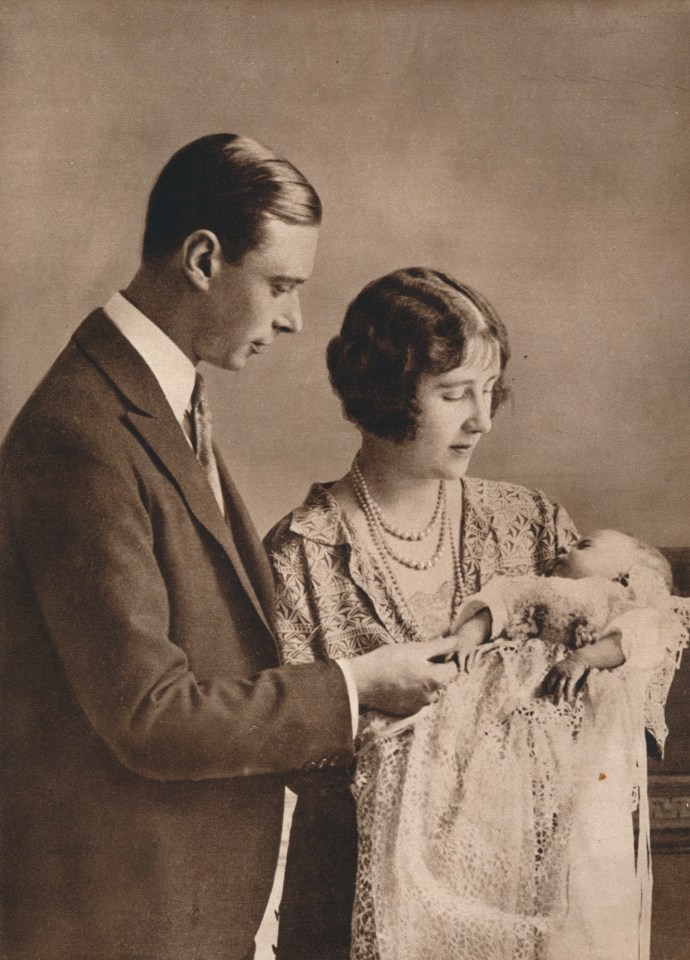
<point>144,723</point>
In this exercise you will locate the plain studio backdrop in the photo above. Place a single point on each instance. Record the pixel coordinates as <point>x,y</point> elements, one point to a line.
<point>537,151</point>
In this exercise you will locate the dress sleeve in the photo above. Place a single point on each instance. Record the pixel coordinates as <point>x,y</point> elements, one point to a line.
<point>295,624</point>
<point>566,531</point>
<point>559,532</point>
<point>500,596</point>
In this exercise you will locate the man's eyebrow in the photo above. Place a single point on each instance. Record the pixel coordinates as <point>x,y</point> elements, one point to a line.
<point>281,278</point>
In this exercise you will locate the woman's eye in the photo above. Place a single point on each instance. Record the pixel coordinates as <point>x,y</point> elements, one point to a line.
<point>467,394</point>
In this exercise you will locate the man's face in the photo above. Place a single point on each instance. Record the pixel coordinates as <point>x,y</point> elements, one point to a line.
<point>250,303</point>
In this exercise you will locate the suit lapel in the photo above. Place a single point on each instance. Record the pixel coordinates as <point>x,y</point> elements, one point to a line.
<point>152,420</point>
<point>247,540</point>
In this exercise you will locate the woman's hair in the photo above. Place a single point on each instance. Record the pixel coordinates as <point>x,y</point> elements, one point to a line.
<point>401,327</point>
<point>226,184</point>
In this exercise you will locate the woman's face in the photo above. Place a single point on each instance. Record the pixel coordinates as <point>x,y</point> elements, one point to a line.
<point>454,414</point>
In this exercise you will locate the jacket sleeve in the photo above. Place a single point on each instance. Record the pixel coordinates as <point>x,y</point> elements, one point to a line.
<point>84,534</point>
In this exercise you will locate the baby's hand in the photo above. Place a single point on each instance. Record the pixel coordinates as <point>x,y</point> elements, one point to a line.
<point>566,678</point>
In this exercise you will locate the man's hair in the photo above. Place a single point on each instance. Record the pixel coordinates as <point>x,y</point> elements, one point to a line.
<point>227,184</point>
<point>408,324</point>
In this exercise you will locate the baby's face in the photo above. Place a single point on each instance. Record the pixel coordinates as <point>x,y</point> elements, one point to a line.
<point>606,553</point>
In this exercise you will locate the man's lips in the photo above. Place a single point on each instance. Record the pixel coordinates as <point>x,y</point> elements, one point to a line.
<point>463,447</point>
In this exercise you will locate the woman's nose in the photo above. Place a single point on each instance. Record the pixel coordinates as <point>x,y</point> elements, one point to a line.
<point>480,418</point>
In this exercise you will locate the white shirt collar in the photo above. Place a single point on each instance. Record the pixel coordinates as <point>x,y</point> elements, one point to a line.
<point>172,369</point>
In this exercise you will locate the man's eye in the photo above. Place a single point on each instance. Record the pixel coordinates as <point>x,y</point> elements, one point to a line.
<point>280,288</point>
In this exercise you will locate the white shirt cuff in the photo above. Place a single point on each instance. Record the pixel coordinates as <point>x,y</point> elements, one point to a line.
<point>352,694</point>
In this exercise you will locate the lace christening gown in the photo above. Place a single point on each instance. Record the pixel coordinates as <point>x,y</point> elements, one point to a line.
<point>497,825</point>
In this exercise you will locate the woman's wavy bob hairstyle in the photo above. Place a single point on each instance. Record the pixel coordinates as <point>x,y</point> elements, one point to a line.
<point>401,327</point>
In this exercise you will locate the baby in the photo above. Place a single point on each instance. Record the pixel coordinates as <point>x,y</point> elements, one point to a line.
<point>640,570</point>
<point>509,832</point>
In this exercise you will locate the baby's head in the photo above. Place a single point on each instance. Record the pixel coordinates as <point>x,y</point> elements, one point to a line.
<point>610,554</point>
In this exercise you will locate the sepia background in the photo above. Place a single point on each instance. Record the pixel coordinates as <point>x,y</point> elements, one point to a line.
<point>536,150</point>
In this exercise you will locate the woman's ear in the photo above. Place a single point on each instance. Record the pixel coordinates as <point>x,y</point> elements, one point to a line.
<point>202,257</point>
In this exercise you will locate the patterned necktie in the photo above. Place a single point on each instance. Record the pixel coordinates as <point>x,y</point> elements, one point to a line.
<point>203,446</point>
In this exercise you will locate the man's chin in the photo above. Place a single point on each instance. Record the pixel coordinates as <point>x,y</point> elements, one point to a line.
<point>233,363</point>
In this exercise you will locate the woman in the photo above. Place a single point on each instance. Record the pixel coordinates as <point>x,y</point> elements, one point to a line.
<point>389,552</point>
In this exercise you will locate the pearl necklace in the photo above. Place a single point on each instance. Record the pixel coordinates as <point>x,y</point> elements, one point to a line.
<point>394,584</point>
<point>376,527</point>
<point>387,526</point>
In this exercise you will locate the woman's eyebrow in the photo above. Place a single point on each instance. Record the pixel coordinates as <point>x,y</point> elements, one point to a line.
<point>448,384</point>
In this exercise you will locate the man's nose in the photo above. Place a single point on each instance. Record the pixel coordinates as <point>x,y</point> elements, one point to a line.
<point>290,320</point>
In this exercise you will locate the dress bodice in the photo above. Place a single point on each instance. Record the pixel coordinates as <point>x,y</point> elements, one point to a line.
<point>432,611</point>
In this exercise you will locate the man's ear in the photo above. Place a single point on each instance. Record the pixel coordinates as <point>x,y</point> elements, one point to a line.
<point>202,258</point>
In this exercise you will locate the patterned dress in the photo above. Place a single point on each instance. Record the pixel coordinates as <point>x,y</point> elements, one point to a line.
<point>333,601</point>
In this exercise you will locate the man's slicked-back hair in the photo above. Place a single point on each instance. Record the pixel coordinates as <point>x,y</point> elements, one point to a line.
<point>227,184</point>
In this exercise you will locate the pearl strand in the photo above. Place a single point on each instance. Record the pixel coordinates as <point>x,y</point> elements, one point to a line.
<point>387,526</point>
<point>374,524</point>
<point>458,579</point>
<point>393,582</point>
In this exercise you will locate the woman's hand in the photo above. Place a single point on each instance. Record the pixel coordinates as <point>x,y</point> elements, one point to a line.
<point>466,649</point>
<point>469,638</point>
<point>566,678</point>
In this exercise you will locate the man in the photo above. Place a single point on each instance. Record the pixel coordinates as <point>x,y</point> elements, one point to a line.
<point>146,727</point>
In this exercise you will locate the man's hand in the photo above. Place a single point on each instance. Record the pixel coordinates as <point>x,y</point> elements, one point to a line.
<point>566,678</point>
<point>401,678</point>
